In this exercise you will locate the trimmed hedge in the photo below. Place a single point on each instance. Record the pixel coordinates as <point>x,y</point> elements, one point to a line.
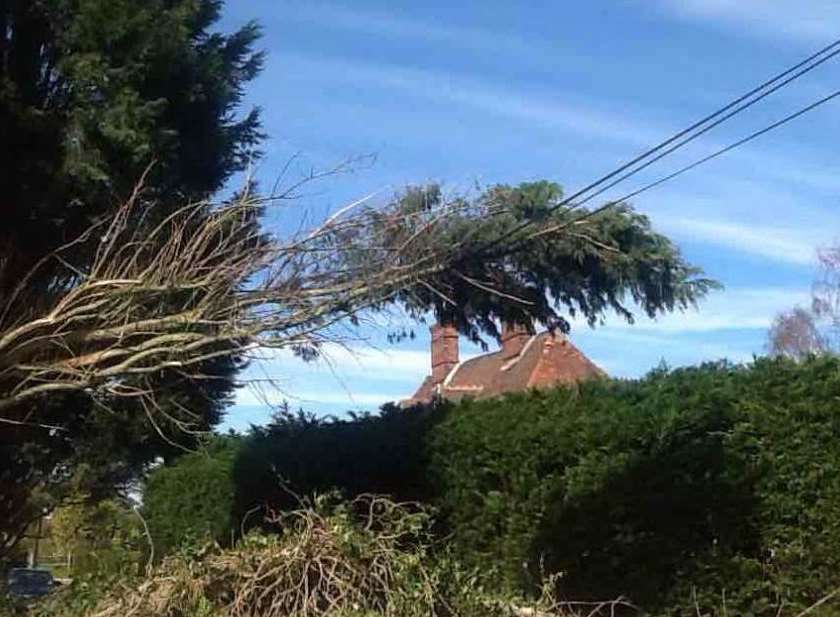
<point>193,500</point>
<point>717,485</point>
<point>698,484</point>
<point>299,454</point>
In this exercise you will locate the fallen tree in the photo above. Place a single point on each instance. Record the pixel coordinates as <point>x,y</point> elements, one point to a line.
<point>160,301</point>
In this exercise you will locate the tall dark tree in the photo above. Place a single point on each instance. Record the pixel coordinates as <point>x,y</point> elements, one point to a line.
<point>93,91</point>
<point>93,95</point>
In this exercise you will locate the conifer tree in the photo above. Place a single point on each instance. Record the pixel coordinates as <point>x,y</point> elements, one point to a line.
<point>95,94</point>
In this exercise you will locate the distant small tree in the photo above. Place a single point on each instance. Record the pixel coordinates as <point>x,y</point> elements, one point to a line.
<point>795,334</point>
<point>98,537</point>
<point>825,301</point>
<point>804,331</point>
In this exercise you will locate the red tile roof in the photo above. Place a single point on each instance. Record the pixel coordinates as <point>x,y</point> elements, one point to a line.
<point>546,360</point>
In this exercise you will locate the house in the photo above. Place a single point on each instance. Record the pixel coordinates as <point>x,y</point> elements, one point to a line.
<point>524,361</point>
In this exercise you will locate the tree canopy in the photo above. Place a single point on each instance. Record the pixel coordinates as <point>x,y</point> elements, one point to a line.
<point>95,95</point>
<point>93,92</point>
<point>521,254</point>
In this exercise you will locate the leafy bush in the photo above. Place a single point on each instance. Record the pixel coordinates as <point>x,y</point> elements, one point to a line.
<point>715,485</point>
<point>192,500</point>
<point>710,484</point>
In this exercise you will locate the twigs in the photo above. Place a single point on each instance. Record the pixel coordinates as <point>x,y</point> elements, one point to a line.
<point>149,540</point>
<point>365,557</point>
<point>819,603</point>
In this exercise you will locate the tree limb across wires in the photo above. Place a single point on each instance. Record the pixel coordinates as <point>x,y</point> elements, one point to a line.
<point>206,282</point>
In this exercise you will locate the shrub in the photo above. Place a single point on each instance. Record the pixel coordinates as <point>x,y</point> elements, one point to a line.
<point>693,485</point>
<point>192,500</point>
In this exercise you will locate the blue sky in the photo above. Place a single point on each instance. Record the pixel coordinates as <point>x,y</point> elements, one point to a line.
<point>481,92</point>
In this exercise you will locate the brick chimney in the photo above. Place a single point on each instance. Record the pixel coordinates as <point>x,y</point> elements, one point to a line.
<point>514,339</point>
<point>444,352</point>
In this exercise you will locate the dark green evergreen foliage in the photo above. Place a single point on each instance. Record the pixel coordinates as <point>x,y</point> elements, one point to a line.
<point>606,263</point>
<point>192,500</point>
<point>276,467</point>
<point>714,481</point>
<point>91,93</point>
<point>299,454</point>
<point>721,479</point>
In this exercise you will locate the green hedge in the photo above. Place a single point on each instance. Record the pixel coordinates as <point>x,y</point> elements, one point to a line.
<point>706,483</point>
<point>193,500</point>
<point>717,484</point>
<point>300,454</point>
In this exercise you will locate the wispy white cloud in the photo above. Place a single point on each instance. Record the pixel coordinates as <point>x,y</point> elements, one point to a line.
<point>662,342</point>
<point>813,21</point>
<point>794,246</point>
<point>361,376</point>
<point>538,111</point>
<point>735,309</point>
<point>777,209</point>
<point>387,364</point>
<point>391,25</point>
<point>250,397</point>
<point>643,351</point>
<point>729,325</point>
<point>620,127</point>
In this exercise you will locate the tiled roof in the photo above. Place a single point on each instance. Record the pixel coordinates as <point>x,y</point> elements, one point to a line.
<point>548,359</point>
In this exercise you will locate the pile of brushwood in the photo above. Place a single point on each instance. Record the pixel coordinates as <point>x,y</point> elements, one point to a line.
<point>367,557</point>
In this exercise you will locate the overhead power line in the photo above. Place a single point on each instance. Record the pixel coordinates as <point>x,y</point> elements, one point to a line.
<point>730,147</point>
<point>586,215</point>
<point>705,129</point>
<point>694,131</point>
<point>736,106</point>
<point>695,164</point>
